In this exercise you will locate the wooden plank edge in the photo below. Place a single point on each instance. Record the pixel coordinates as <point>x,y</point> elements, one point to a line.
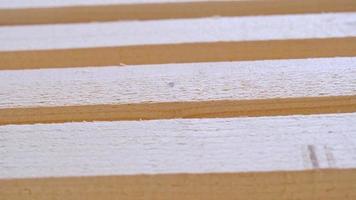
<point>179,53</point>
<point>172,110</point>
<point>100,13</point>
<point>327,184</point>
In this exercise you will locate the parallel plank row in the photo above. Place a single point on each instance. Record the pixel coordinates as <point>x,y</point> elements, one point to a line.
<point>193,40</point>
<point>285,157</point>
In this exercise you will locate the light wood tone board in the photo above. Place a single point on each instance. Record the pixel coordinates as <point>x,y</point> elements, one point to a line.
<point>179,53</point>
<point>177,31</point>
<point>16,12</point>
<point>296,185</point>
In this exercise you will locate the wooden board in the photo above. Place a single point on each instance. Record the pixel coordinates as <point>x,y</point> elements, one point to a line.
<point>225,89</point>
<point>309,185</point>
<point>67,3</point>
<point>170,110</point>
<point>178,146</point>
<point>193,40</point>
<point>15,12</point>
<point>219,29</point>
<point>179,82</point>
<point>191,158</point>
<point>179,53</point>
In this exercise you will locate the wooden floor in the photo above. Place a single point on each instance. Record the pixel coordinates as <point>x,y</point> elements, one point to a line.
<point>168,99</point>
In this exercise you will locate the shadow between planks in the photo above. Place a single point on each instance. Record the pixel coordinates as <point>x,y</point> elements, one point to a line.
<point>77,14</point>
<point>179,53</point>
<point>326,184</point>
<point>172,110</point>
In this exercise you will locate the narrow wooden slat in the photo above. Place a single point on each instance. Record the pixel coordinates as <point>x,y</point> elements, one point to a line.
<point>259,158</point>
<point>171,110</point>
<point>179,53</point>
<point>178,146</point>
<point>309,185</point>
<point>75,12</point>
<point>224,89</point>
<point>265,154</point>
<point>215,29</point>
<point>13,4</point>
<point>246,80</point>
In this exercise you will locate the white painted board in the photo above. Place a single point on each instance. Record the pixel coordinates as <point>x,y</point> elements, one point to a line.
<point>176,31</point>
<point>178,82</point>
<point>178,146</point>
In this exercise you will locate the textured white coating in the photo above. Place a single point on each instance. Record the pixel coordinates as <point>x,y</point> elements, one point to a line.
<point>178,82</point>
<point>178,146</point>
<point>174,31</point>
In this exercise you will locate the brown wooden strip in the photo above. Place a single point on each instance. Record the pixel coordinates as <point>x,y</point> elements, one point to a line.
<point>170,110</point>
<point>179,53</point>
<point>329,184</point>
<point>96,13</point>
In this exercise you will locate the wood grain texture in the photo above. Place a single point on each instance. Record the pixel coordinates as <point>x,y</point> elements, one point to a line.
<point>178,146</point>
<point>86,11</point>
<point>179,53</point>
<point>159,32</point>
<point>296,185</point>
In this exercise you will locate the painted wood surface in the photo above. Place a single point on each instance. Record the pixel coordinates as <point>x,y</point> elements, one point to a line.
<point>179,82</point>
<point>130,72</point>
<point>219,29</point>
<point>294,157</point>
<point>226,89</point>
<point>178,146</point>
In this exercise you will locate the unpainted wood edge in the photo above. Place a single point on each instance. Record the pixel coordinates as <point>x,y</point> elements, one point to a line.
<point>327,184</point>
<point>77,14</point>
<point>173,110</point>
<point>179,53</point>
